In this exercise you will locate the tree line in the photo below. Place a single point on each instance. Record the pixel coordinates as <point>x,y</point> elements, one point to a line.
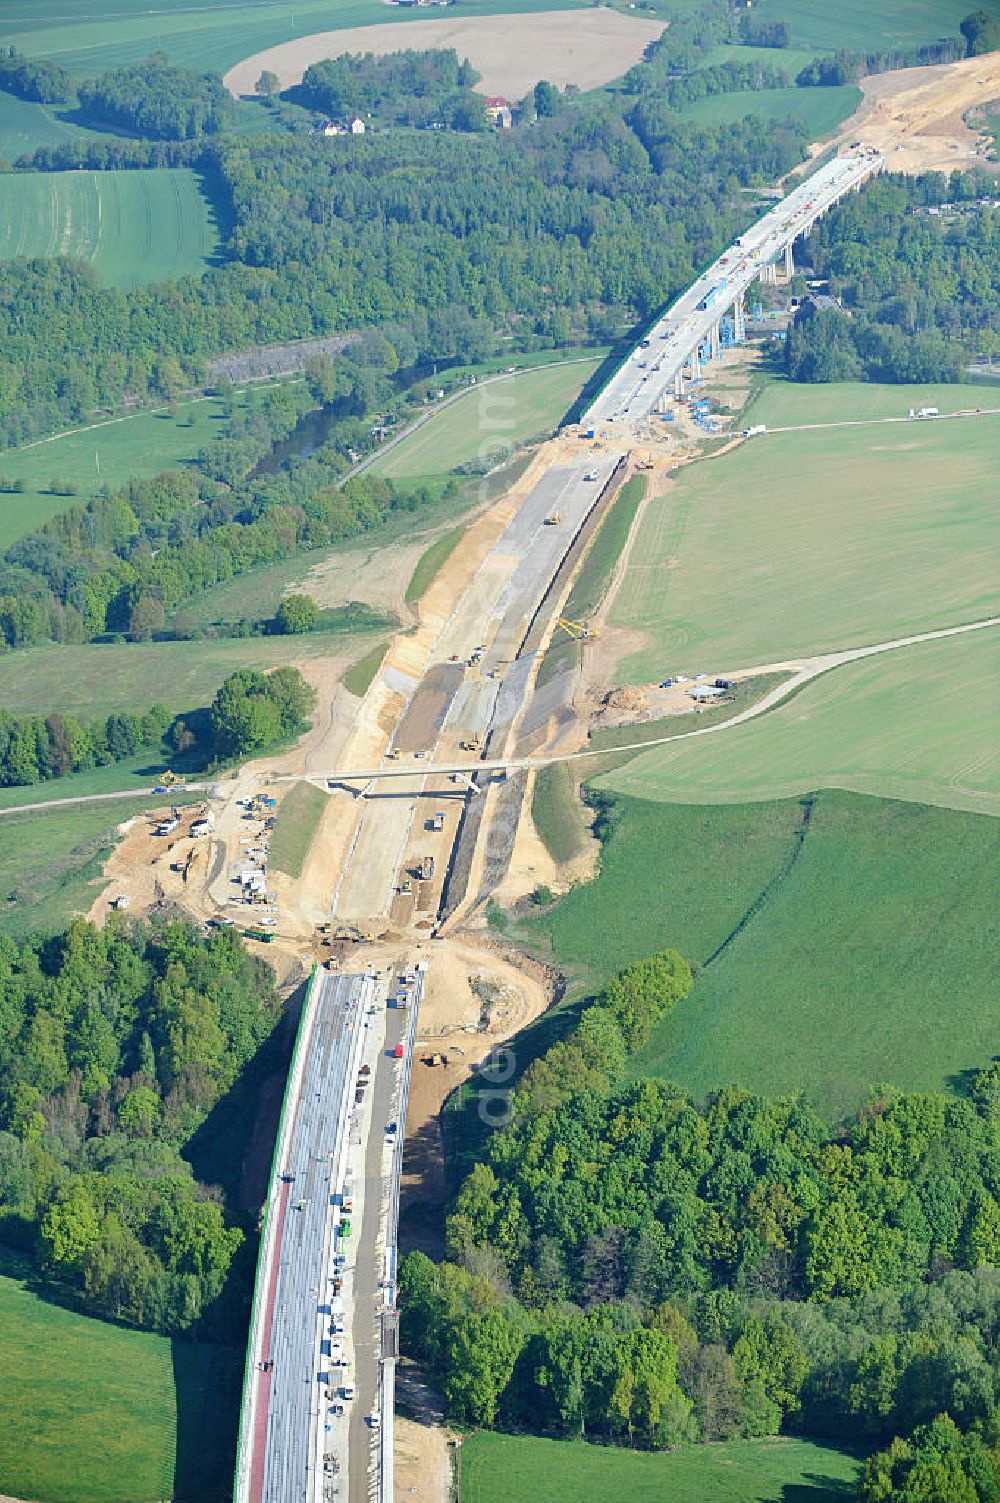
<point>35,748</point>
<point>114,1047</point>
<point>625,1263</point>
<point>153,99</point>
<point>921,291</point>
<point>251,711</point>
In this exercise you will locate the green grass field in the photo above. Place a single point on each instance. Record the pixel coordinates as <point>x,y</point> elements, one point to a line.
<point>358,677</point>
<point>430,562</point>
<point>790,59</point>
<point>25,126</point>
<point>95,680</point>
<point>822,110</point>
<point>919,723</point>
<point>879,940</point>
<point>197,33</point>
<point>872,928</point>
<point>91,1413</point>
<point>860,25</point>
<point>50,862</point>
<point>807,542</point>
<point>489,420</point>
<point>669,875</point>
<point>523,1468</point>
<point>299,814</point>
<point>783,403</point>
<point>125,448</point>
<point>141,226</point>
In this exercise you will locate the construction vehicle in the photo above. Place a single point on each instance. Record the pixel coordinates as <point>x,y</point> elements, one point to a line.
<point>167,780</point>
<point>437,822</point>
<point>263,936</point>
<point>575,629</point>
<point>554,519</point>
<point>473,744</point>
<point>405,886</point>
<point>426,869</point>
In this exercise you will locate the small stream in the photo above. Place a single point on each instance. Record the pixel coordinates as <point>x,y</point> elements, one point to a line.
<point>308,435</point>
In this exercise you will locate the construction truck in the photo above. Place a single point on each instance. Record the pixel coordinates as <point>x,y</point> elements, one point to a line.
<point>437,823</point>
<point>554,519</point>
<point>473,744</point>
<point>426,869</point>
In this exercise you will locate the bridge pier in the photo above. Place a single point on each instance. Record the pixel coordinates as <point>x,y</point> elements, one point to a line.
<point>715,345</point>
<point>678,385</point>
<point>739,321</point>
<point>789,261</point>
<point>769,275</point>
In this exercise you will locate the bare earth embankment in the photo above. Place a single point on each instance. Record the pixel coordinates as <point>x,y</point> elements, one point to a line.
<point>916,116</point>
<point>583,47</point>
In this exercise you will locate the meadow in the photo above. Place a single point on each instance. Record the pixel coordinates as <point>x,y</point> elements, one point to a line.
<point>807,542</point>
<point>103,453</point>
<point>524,1468</point>
<point>133,227</point>
<point>489,420</point>
<point>869,924</point>
<point>919,723</point>
<point>822,110</point>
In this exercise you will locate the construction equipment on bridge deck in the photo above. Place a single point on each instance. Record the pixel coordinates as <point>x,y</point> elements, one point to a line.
<point>554,519</point>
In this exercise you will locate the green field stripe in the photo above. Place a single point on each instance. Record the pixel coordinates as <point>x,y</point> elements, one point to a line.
<point>133,226</point>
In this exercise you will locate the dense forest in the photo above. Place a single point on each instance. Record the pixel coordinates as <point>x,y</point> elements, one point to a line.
<point>158,100</point>
<point>576,228</point>
<point>120,563</point>
<point>114,1047</point>
<point>920,283</point>
<point>626,1263</point>
<point>399,88</point>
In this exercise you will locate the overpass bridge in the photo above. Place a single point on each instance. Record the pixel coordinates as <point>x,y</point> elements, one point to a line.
<point>672,350</point>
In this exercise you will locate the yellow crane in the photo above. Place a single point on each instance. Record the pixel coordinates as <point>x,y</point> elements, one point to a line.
<point>575,629</point>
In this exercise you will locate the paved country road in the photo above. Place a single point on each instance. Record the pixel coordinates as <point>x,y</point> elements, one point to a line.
<point>802,670</point>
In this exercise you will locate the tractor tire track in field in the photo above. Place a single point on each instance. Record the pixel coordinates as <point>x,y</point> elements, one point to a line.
<point>770,887</point>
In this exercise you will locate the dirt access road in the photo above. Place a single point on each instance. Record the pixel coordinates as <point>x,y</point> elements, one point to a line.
<point>582,47</point>
<point>915,116</point>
